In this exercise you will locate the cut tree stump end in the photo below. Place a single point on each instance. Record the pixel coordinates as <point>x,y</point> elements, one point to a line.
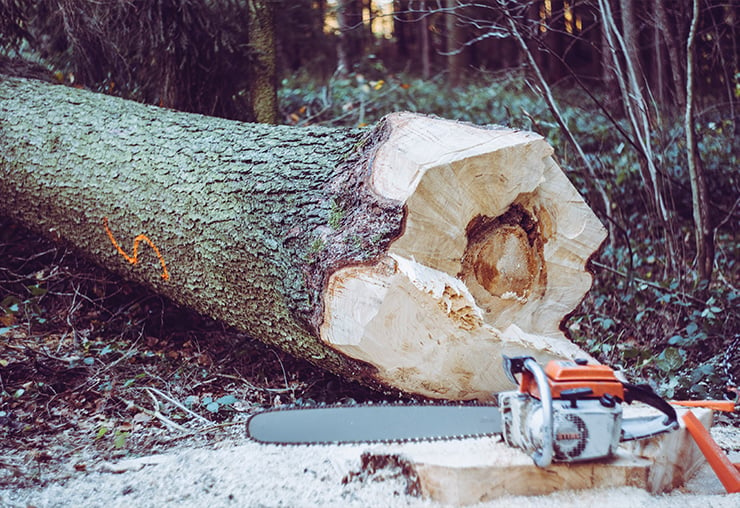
<point>491,259</point>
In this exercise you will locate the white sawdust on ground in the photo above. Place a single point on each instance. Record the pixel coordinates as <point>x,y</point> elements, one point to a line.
<point>245,474</point>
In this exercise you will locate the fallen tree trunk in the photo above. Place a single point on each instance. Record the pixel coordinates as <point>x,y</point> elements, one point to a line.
<point>408,257</point>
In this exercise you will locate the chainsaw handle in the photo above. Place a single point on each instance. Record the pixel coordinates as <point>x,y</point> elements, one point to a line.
<point>544,456</point>
<point>645,394</point>
<point>528,365</point>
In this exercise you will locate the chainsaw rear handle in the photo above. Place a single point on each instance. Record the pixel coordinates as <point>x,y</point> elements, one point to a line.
<point>637,428</point>
<point>646,395</point>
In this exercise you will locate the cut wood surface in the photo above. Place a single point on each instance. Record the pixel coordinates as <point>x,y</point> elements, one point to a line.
<point>495,239</point>
<point>408,256</point>
<point>461,473</point>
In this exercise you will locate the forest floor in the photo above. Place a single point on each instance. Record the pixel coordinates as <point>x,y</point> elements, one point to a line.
<point>111,396</point>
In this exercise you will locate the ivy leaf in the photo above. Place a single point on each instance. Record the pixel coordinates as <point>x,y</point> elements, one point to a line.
<point>120,439</point>
<point>692,328</point>
<point>671,359</point>
<point>226,400</point>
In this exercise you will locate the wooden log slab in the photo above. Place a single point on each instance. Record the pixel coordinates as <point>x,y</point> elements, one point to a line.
<point>466,472</point>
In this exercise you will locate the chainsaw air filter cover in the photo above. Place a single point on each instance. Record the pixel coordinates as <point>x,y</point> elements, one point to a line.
<point>589,430</point>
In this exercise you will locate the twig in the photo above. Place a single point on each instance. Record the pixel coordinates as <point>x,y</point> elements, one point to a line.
<point>204,382</point>
<point>648,283</point>
<point>253,387</point>
<point>176,403</point>
<point>10,346</point>
<point>282,367</point>
<point>203,430</point>
<point>108,366</point>
<point>155,414</point>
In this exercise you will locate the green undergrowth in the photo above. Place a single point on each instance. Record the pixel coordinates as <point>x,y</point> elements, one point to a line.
<point>362,99</point>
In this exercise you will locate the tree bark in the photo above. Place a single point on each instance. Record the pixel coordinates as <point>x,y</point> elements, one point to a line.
<point>455,44</point>
<point>424,43</point>
<point>608,71</point>
<point>408,257</point>
<point>629,34</point>
<point>669,36</point>
<point>263,84</point>
<point>556,42</point>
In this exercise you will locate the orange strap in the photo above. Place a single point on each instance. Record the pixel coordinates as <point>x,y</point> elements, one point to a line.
<point>727,472</point>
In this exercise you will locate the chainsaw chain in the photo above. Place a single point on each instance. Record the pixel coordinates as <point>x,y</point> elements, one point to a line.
<point>298,406</point>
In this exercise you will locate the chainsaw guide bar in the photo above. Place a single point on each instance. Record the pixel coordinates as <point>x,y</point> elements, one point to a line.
<point>374,423</point>
<point>566,412</point>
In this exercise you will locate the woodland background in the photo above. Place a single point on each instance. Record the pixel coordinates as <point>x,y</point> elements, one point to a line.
<point>641,100</point>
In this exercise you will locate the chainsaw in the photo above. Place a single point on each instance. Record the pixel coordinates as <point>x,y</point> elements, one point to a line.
<point>568,411</point>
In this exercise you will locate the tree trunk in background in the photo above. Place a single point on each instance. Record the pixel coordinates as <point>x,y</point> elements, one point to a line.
<point>425,46</point>
<point>263,82</point>
<point>349,48</point>
<point>630,33</point>
<point>656,67</point>
<point>408,257</point>
<point>534,34</point>
<point>591,38</point>
<point>669,37</point>
<point>455,44</point>
<point>556,42</point>
<point>703,234</point>
<point>608,77</point>
<point>368,21</point>
<point>401,29</point>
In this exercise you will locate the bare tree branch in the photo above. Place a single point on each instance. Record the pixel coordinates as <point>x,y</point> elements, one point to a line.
<point>637,112</point>
<point>552,104</point>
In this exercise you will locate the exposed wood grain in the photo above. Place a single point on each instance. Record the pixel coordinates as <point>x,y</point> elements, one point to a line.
<point>492,255</point>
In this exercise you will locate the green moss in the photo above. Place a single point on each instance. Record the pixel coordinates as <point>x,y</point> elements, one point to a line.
<point>316,246</point>
<point>336,214</point>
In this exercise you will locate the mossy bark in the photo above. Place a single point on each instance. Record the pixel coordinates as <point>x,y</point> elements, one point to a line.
<point>247,219</point>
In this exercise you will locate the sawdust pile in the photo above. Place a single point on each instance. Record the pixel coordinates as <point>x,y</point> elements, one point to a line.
<point>243,473</point>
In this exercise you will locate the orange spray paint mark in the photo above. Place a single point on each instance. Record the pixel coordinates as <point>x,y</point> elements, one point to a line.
<point>133,259</point>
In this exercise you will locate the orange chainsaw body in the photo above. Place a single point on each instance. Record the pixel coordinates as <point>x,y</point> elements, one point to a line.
<point>567,378</point>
